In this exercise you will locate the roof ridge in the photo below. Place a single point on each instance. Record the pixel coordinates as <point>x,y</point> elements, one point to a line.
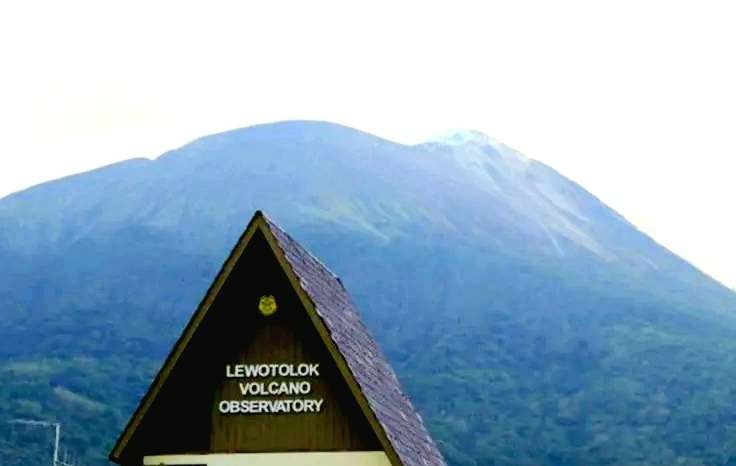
<point>273,224</point>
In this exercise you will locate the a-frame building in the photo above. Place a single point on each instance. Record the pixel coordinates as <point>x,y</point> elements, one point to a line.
<point>275,368</point>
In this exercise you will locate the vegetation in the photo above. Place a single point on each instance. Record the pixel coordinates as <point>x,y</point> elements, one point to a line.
<point>547,379</point>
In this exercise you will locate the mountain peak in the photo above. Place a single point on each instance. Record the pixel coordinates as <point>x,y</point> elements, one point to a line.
<point>463,137</point>
<point>470,141</point>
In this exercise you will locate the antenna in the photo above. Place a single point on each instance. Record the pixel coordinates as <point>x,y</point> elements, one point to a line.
<point>57,435</point>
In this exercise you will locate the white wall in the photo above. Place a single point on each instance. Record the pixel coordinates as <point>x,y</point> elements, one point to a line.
<point>353,458</point>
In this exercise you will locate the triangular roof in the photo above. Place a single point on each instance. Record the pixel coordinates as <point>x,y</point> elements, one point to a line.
<point>365,369</point>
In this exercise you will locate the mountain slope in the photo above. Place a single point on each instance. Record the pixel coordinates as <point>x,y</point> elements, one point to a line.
<point>531,323</point>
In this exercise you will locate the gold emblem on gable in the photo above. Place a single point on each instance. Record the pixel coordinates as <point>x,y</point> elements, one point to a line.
<point>267,305</point>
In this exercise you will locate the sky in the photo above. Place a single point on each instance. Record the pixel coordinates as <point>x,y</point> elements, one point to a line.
<point>634,100</point>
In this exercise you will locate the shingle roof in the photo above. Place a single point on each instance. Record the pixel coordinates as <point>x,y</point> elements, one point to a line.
<point>403,426</point>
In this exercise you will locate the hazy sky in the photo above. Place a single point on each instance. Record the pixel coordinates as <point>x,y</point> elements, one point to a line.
<point>634,100</point>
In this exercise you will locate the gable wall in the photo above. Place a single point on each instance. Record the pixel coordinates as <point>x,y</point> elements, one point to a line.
<point>186,416</point>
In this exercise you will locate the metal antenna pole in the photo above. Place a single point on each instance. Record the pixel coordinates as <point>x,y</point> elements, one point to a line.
<point>57,428</point>
<point>57,432</point>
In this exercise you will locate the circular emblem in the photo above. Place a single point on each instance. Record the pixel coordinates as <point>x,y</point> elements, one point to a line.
<point>267,305</point>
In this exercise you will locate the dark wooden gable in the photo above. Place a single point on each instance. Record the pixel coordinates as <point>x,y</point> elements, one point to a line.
<point>364,407</point>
